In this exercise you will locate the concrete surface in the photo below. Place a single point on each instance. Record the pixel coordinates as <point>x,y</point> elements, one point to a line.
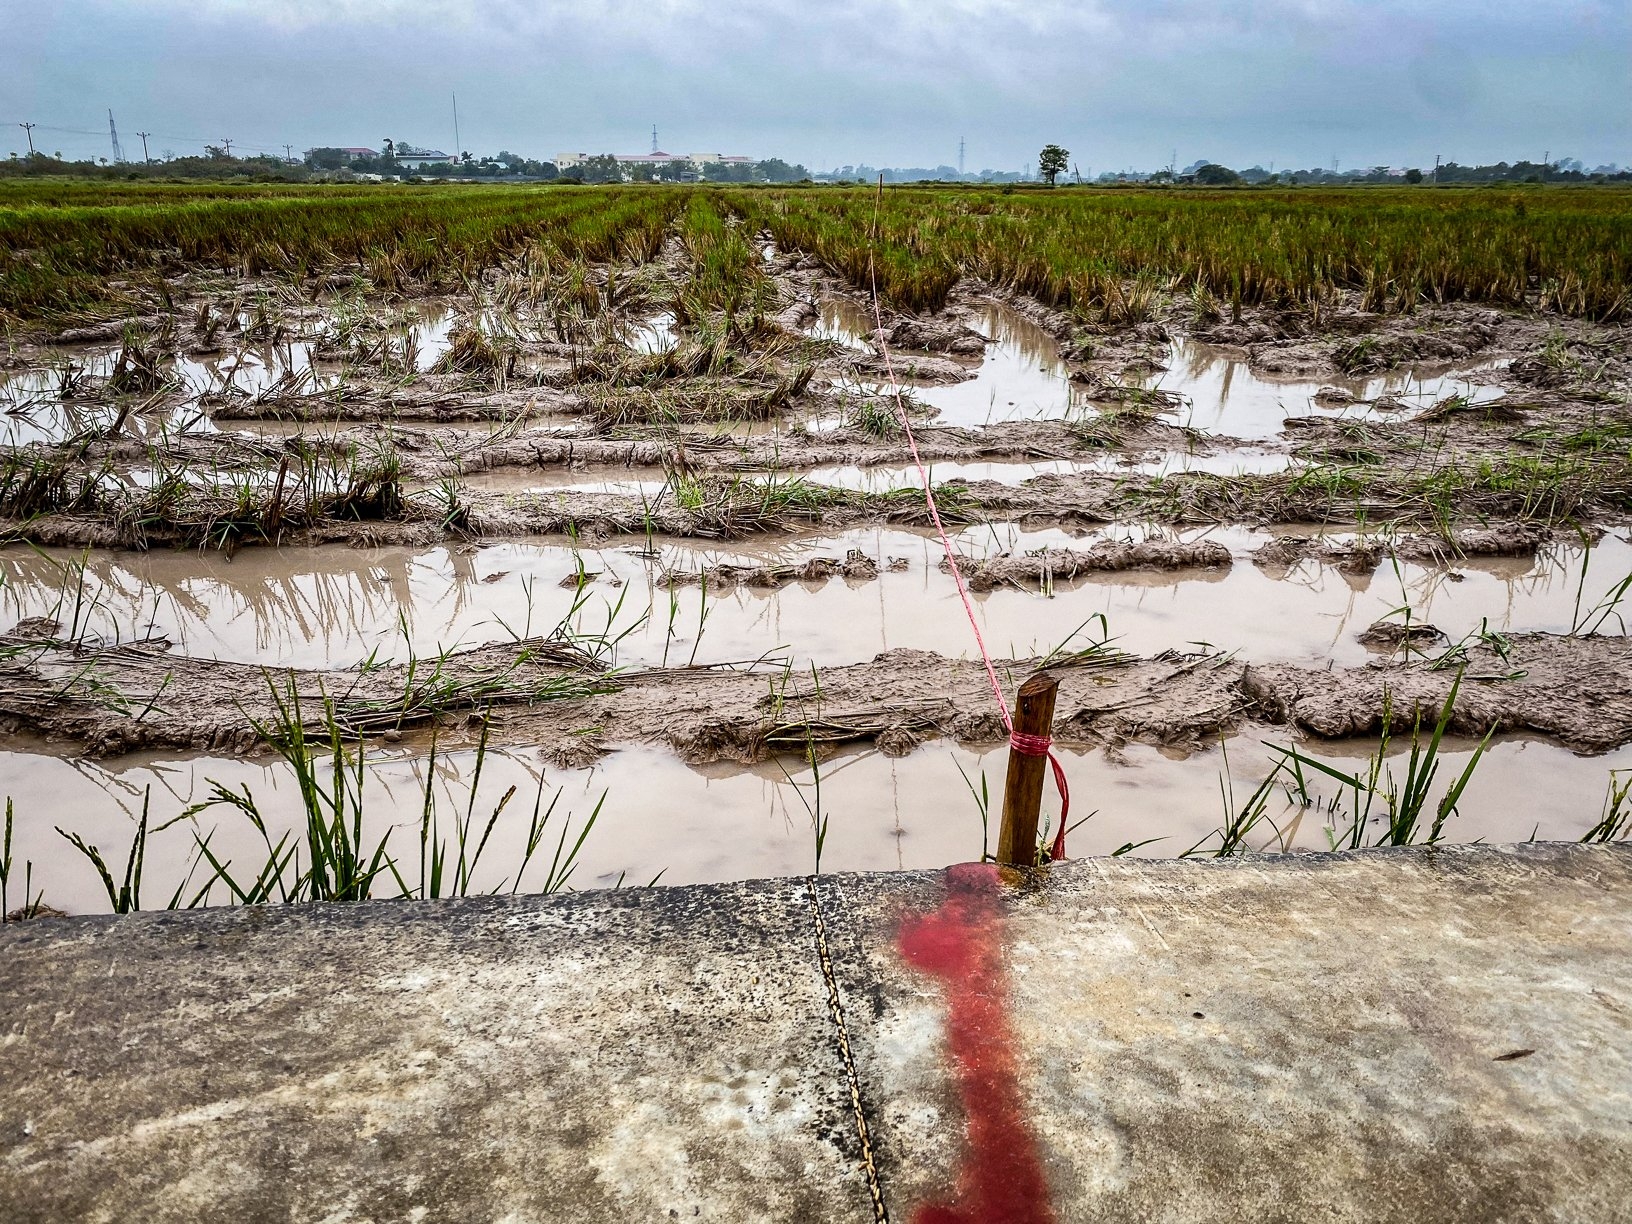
<point>1332,1038</point>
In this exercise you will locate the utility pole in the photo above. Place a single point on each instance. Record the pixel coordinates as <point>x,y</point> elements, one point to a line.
<point>146,161</point>
<point>288,152</point>
<point>458,152</point>
<point>226,146</point>
<point>29,128</point>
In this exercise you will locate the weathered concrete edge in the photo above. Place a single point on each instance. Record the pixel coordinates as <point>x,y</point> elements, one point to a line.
<point>851,904</point>
<point>268,919</point>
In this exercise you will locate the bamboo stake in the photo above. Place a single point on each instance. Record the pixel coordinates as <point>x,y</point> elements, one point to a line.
<point>1023,786</point>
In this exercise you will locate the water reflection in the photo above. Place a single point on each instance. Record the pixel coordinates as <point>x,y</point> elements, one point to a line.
<point>1023,377</point>
<point>33,409</point>
<point>1226,397</point>
<point>727,823</point>
<point>317,607</point>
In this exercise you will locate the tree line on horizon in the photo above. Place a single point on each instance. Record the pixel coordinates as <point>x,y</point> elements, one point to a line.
<point>323,163</point>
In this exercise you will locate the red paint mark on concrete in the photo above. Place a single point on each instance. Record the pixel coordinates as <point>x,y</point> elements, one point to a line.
<point>1001,1181</point>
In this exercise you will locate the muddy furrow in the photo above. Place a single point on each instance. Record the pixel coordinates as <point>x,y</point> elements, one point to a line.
<point>77,505</point>
<point>1576,690</point>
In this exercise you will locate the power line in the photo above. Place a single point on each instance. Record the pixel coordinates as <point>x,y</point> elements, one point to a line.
<point>180,139</point>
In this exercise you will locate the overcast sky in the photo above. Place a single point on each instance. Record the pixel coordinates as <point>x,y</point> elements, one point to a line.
<point>826,82</point>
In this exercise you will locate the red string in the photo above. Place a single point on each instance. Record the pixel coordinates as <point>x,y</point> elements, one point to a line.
<point>1041,745</point>
<point>1026,745</point>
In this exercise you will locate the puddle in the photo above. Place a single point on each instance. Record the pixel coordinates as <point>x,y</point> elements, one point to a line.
<point>32,410</point>
<point>430,336</point>
<point>1226,397</point>
<point>724,823</point>
<point>655,335</point>
<point>648,482</point>
<point>318,607</point>
<point>885,478</point>
<point>645,482</point>
<point>28,417</point>
<point>1022,377</point>
<point>843,322</point>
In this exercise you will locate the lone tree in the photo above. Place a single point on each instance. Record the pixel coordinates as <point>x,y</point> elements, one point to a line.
<point>1051,161</point>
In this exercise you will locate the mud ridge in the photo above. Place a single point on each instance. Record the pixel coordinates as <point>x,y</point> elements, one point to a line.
<point>1577,690</point>
<point>1046,565</point>
<point>1363,555</point>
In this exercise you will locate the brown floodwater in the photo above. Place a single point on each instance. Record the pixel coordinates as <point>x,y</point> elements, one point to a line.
<point>1023,377</point>
<point>332,606</point>
<point>662,818</point>
<point>32,411</point>
<point>649,482</point>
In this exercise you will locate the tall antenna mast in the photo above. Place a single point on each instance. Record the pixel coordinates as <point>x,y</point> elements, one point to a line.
<point>458,153</point>
<point>960,156</point>
<point>654,138</point>
<point>113,132</point>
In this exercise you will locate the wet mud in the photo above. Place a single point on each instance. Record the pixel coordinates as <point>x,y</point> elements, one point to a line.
<point>1574,689</point>
<point>1313,522</point>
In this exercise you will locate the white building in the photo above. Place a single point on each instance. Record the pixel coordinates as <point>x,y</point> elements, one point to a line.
<point>417,159</point>
<point>697,161</point>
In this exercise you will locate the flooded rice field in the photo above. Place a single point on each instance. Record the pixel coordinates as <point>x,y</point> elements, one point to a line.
<point>324,607</point>
<point>55,397</point>
<point>639,526</point>
<point>656,818</point>
<point>1023,376</point>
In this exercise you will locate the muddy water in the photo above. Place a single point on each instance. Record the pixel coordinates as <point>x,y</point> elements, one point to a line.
<point>1226,397</point>
<point>880,478</point>
<point>885,478</point>
<point>655,335</point>
<point>721,824</point>
<point>844,323</point>
<point>31,409</point>
<point>1023,377</point>
<point>334,606</point>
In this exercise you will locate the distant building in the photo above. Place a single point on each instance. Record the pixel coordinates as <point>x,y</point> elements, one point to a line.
<point>345,154</point>
<point>565,161</point>
<point>416,159</point>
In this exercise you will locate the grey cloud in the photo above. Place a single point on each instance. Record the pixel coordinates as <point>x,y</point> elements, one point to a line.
<point>1118,81</point>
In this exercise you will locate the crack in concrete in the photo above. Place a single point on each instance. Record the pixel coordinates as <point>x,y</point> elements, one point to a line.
<point>835,1008</point>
